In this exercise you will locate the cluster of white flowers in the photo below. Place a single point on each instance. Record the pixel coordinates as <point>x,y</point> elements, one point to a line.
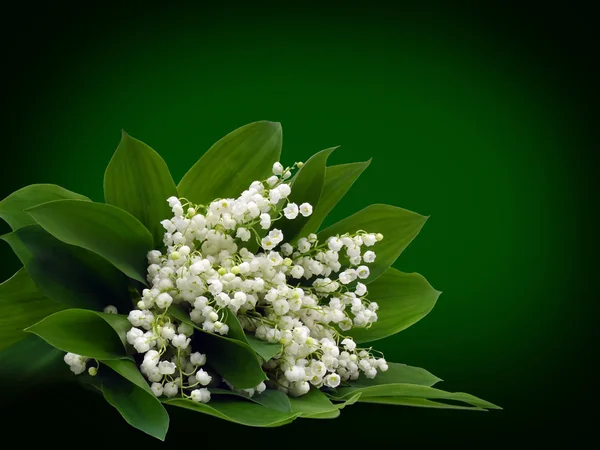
<point>302,295</point>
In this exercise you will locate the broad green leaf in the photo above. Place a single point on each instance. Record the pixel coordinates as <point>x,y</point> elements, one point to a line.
<point>138,406</point>
<point>87,333</point>
<point>418,402</point>
<point>399,373</point>
<point>335,413</point>
<point>338,180</point>
<point>29,364</point>
<point>403,299</point>
<point>233,163</point>
<point>71,275</point>
<point>103,229</point>
<point>314,402</point>
<point>307,187</point>
<point>237,411</point>
<point>138,180</point>
<point>264,349</point>
<point>398,226</point>
<point>270,398</point>
<point>411,390</point>
<point>12,208</point>
<point>234,360</point>
<point>21,305</point>
<point>127,369</point>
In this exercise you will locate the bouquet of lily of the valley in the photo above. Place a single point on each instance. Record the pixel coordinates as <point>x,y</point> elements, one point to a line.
<point>221,294</point>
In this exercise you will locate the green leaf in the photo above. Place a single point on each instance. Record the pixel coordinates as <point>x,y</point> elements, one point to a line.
<point>87,333</point>
<point>12,208</point>
<point>233,163</point>
<point>335,413</point>
<point>338,180</point>
<point>403,299</point>
<point>418,402</point>
<point>29,364</point>
<point>103,229</point>
<point>312,403</point>
<point>138,406</point>
<point>233,359</point>
<point>399,373</point>
<point>71,275</point>
<point>138,181</point>
<point>21,305</point>
<point>270,398</point>
<point>237,411</point>
<point>306,187</point>
<point>398,226</point>
<point>411,390</point>
<point>264,349</point>
<point>127,369</point>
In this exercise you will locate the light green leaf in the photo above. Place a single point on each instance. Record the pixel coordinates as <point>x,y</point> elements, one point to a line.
<point>29,364</point>
<point>21,305</point>
<point>411,390</point>
<point>237,411</point>
<point>306,187</point>
<point>87,333</point>
<point>137,405</point>
<point>233,359</point>
<point>229,166</point>
<point>418,402</point>
<point>138,181</point>
<point>71,275</point>
<point>403,299</point>
<point>103,229</point>
<point>399,373</point>
<point>338,180</point>
<point>398,226</point>
<point>312,403</point>
<point>264,349</point>
<point>12,208</point>
<point>270,398</point>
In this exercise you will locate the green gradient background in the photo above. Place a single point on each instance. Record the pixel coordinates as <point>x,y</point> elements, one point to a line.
<point>467,119</point>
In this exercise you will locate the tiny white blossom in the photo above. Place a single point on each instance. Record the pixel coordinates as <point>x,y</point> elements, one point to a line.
<point>369,256</point>
<point>200,395</point>
<point>291,211</point>
<point>111,309</point>
<point>265,221</point>
<point>306,209</point>
<point>277,168</point>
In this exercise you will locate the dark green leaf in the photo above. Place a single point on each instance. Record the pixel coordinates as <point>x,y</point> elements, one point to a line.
<point>398,226</point>
<point>307,187</point>
<point>229,166</point>
<point>312,403</point>
<point>338,180</point>
<point>12,208</point>
<point>87,333</point>
<point>418,402</point>
<point>270,398</point>
<point>403,299</point>
<point>237,411</point>
<point>138,406</point>
<point>103,229</point>
<point>411,390</point>
<point>138,181</point>
<point>127,369</point>
<point>234,360</point>
<point>264,349</point>
<point>335,413</point>
<point>21,305</point>
<point>399,373</point>
<point>29,364</point>
<point>71,275</point>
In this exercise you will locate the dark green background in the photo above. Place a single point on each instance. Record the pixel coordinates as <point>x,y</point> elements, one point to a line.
<point>477,117</point>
